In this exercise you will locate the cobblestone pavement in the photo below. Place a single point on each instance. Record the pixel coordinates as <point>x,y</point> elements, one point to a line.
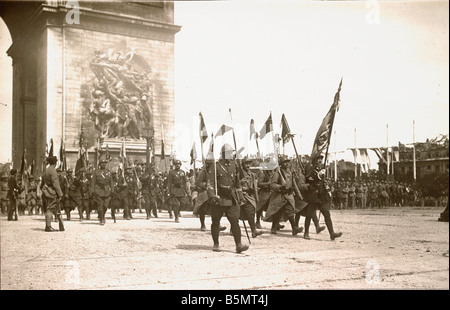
<point>392,248</point>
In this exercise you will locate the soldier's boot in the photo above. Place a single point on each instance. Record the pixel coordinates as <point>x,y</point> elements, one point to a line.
<point>202,222</point>
<point>295,229</point>
<point>215,237</point>
<point>101,215</point>
<point>307,224</point>
<point>48,221</point>
<point>251,223</point>
<point>319,228</point>
<point>329,223</point>
<point>297,218</point>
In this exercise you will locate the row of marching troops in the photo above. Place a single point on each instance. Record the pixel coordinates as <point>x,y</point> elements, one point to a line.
<point>224,187</point>
<point>373,194</point>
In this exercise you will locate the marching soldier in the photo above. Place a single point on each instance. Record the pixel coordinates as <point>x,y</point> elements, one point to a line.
<point>177,182</point>
<point>75,195</point>
<point>227,201</point>
<point>318,197</point>
<point>204,181</point>
<point>51,192</point>
<point>101,188</point>
<point>4,193</point>
<point>282,203</point>
<point>32,195</point>
<point>13,191</point>
<point>250,191</point>
<point>68,205</point>
<point>264,192</point>
<point>149,190</point>
<point>85,179</point>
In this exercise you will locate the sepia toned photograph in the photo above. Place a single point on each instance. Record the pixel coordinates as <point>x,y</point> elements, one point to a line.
<point>224,150</point>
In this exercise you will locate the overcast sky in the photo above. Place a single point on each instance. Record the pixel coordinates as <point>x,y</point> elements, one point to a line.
<point>257,57</point>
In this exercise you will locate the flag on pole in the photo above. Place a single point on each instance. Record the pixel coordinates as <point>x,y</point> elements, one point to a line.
<point>203,131</point>
<point>285,130</point>
<point>268,127</point>
<point>23,164</point>
<point>322,140</point>
<point>193,154</point>
<point>252,130</point>
<point>223,129</point>
<point>62,157</point>
<point>50,152</point>
<point>210,154</point>
<point>163,155</point>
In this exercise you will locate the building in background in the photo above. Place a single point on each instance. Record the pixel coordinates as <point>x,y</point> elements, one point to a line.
<point>105,67</point>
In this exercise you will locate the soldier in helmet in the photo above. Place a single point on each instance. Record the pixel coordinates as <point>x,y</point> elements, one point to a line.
<point>318,197</point>
<point>227,200</point>
<point>204,185</point>
<point>101,188</point>
<point>282,201</point>
<point>249,188</point>
<point>177,187</point>
<point>264,177</point>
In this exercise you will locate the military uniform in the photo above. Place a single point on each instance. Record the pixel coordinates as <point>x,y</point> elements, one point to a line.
<point>52,192</point>
<point>13,192</point>
<point>205,191</point>
<point>85,179</point>
<point>264,192</point>
<point>149,192</point>
<point>75,196</point>
<point>31,195</point>
<point>4,193</point>
<point>227,201</point>
<point>318,197</point>
<point>177,182</point>
<point>249,188</point>
<point>101,189</point>
<point>282,201</point>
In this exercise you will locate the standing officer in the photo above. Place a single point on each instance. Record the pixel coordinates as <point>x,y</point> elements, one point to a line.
<point>250,192</point>
<point>177,182</point>
<point>101,188</point>
<point>13,193</point>
<point>69,206</point>
<point>282,202</point>
<point>51,192</point>
<point>132,190</point>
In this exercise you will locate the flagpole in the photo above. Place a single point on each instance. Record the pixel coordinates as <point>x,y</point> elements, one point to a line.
<point>257,145</point>
<point>215,167</point>
<point>356,167</point>
<point>201,138</point>
<point>387,151</point>
<point>414,152</point>
<point>335,158</point>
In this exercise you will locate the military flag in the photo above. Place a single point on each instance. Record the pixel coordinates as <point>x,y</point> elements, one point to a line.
<point>23,164</point>
<point>163,155</point>
<point>223,129</point>
<point>210,154</point>
<point>62,157</point>
<point>322,140</point>
<point>193,154</point>
<point>268,127</point>
<point>285,130</point>
<point>252,130</point>
<point>50,152</point>
<point>202,130</point>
